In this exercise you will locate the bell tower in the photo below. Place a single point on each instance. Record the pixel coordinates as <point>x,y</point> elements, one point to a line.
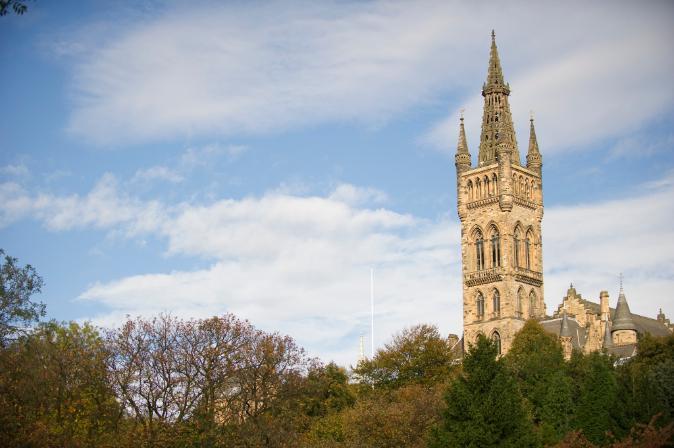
<point>500,205</point>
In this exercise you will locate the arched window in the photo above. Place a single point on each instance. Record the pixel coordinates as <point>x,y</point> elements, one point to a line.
<point>480,305</point>
<point>516,247</point>
<point>496,303</point>
<point>495,248</point>
<point>496,338</point>
<point>527,249</point>
<point>487,187</point>
<point>520,301</point>
<point>515,185</point>
<point>533,309</point>
<point>494,182</point>
<point>478,189</point>
<point>479,251</point>
<point>470,190</point>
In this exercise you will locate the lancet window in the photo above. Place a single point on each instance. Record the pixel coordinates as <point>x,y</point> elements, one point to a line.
<point>496,303</point>
<point>495,248</point>
<point>479,301</point>
<point>479,251</point>
<point>516,247</point>
<point>496,338</point>
<point>532,304</point>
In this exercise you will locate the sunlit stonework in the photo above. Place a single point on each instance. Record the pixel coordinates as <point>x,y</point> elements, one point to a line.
<point>500,205</point>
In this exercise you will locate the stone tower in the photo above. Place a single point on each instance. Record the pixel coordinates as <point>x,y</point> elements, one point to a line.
<point>500,205</point>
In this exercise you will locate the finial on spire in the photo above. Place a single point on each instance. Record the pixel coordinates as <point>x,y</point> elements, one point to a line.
<point>461,113</point>
<point>621,283</point>
<point>571,285</point>
<point>493,34</point>
<point>531,115</point>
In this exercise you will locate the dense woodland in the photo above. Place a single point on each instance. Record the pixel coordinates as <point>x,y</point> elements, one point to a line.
<point>220,382</point>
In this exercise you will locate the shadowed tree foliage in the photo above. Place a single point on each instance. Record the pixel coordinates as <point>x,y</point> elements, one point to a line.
<point>17,286</point>
<point>18,6</point>
<point>537,360</point>
<point>598,411</point>
<point>484,405</point>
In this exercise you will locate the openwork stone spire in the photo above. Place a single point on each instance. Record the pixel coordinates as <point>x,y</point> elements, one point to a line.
<point>497,123</point>
<point>534,159</point>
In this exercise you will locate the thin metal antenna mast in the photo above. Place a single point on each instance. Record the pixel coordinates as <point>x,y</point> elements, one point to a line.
<point>372,313</point>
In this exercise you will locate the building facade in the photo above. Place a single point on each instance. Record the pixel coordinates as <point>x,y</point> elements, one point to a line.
<point>500,205</point>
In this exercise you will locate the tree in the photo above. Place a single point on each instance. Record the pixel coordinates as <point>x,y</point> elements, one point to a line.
<point>19,7</point>
<point>326,390</point>
<point>537,360</point>
<point>484,405</point>
<point>17,286</point>
<point>417,355</point>
<point>598,411</point>
<point>54,389</point>
<point>646,382</point>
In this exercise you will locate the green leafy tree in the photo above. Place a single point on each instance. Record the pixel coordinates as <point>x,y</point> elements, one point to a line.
<point>484,405</point>
<point>647,380</point>
<point>54,389</point>
<point>327,390</point>
<point>17,286</point>
<point>417,355</point>
<point>537,360</point>
<point>598,411</point>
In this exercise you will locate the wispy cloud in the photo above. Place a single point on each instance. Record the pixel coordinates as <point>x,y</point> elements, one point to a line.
<point>17,170</point>
<point>587,71</point>
<point>158,172</point>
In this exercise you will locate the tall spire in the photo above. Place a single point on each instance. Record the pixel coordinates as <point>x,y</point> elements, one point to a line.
<point>534,159</point>
<point>497,123</point>
<point>494,72</point>
<point>462,157</point>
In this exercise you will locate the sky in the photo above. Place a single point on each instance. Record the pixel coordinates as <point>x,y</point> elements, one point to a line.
<point>260,158</point>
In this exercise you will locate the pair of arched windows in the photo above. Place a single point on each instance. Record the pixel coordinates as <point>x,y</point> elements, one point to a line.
<point>532,304</point>
<point>522,249</point>
<point>495,304</point>
<point>495,249</point>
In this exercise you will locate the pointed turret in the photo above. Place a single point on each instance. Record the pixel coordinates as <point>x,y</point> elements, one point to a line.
<point>608,341</point>
<point>497,125</point>
<point>565,330</point>
<point>534,159</point>
<point>623,317</point>
<point>462,157</point>
<point>565,337</point>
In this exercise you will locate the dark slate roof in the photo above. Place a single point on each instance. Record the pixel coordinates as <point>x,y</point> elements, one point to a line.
<point>643,324</point>
<point>623,351</point>
<point>577,332</point>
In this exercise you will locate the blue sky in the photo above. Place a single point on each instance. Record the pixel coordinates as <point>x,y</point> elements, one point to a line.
<point>259,158</point>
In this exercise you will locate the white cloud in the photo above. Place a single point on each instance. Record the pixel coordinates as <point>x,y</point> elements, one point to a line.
<point>158,172</point>
<point>300,264</point>
<point>587,70</point>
